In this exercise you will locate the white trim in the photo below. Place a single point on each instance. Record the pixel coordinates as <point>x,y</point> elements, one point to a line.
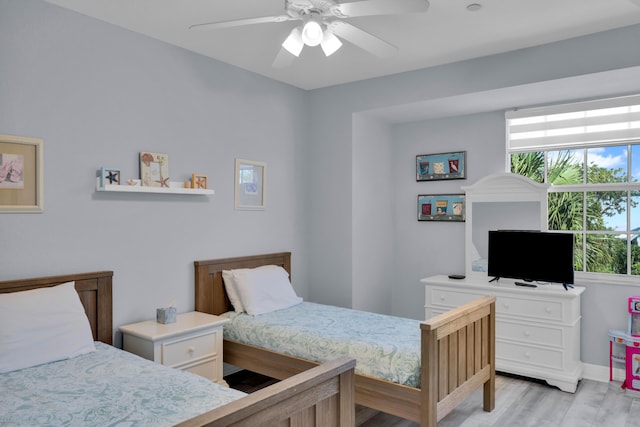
<point>582,278</point>
<point>574,106</point>
<point>600,122</point>
<point>601,373</point>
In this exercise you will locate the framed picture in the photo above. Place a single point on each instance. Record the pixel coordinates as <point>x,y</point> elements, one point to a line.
<point>199,181</point>
<point>441,207</point>
<point>154,169</point>
<point>109,176</point>
<point>433,167</point>
<point>250,184</point>
<point>21,174</point>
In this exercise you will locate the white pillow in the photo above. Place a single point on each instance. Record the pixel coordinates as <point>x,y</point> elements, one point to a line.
<point>41,326</point>
<point>232,291</point>
<point>265,289</point>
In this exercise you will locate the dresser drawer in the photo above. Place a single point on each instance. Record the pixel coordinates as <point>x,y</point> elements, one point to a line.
<point>531,334</point>
<point>534,309</point>
<point>183,350</point>
<point>448,298</point>
<point>521,355</point>
<point>505,305</point>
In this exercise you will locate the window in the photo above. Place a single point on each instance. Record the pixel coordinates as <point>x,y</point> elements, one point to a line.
<point>590,154</point>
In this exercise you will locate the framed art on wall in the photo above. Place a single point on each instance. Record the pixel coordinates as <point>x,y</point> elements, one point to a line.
<point>109,176</point>
<point>250,184</point>
<point>154,169</point>
<point>441,207</point>
<point>21,174</point>
<point>434,167</point>
<point>199,181</point>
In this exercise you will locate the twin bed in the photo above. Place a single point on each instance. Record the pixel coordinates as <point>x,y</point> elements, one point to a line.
<point>454,357</point>
<point>111,387</point>
<point>108,386</point>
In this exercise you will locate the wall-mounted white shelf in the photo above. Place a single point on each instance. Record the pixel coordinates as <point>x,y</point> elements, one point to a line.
<point>174,188</point>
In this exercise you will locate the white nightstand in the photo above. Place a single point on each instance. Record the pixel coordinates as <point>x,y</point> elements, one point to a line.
<point>193,343</point>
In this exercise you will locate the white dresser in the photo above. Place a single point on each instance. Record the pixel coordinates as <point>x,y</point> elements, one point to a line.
<point>192,343</point>
<point>537,329</point>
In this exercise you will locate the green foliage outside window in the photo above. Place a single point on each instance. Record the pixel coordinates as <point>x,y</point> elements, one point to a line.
<point>584,211</point>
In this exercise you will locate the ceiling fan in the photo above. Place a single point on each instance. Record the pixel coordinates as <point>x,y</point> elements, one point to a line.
<point>323,24</point>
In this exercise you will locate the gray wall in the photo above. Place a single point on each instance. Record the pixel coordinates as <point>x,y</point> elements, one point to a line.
<point>98,95</point>
<point>341,189</point>
<point>453,107</point>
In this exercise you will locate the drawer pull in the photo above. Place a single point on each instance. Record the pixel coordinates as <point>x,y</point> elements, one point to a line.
<point>547,309</point>
<point>506,305</point>
<point>442,298</point>
<point>527,355</point>
<point>527,334</point>
<point>191,350</point>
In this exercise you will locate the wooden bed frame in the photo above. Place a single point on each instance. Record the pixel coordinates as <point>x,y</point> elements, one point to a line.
<point>322,397</point>
<point>458,350</point>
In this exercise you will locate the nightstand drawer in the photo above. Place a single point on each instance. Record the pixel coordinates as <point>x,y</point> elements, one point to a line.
<point>207,369</point>
<point>182,351</point>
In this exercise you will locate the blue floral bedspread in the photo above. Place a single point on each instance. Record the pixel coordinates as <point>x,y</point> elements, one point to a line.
<point>108,387</point>
<point>384,346</point>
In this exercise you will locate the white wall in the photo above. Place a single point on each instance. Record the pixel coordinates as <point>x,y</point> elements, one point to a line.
<point>98,95</point>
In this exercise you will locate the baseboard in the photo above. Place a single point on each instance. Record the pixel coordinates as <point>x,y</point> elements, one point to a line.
<point>601,373</point>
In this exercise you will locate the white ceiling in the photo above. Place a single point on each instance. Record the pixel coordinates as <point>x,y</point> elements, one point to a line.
<point>446,33</point>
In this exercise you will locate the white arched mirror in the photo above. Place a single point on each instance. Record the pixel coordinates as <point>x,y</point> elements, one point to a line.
<point>503,201</point>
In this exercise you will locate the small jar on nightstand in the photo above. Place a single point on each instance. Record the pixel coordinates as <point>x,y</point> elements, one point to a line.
<point>192,343</point>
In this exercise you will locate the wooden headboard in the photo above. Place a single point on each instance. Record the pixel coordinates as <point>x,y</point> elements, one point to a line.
<point>95,294</point>
<point>210,293</point>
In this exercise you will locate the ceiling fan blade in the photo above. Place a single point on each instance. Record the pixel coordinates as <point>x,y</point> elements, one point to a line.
<point>362,39</point>
<point>378,7</point>
<point>283,59</point>
<point>239,22</point>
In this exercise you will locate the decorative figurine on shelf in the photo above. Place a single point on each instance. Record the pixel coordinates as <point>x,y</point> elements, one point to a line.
<point>109,176</point>
<point>199,181</point>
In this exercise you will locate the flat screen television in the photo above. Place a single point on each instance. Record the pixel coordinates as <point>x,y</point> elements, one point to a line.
<point>532,256</point>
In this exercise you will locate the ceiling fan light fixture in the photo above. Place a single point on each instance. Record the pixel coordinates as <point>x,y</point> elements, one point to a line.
<point>312,31</point>
<point>294,44</point>
<point>330,43</point>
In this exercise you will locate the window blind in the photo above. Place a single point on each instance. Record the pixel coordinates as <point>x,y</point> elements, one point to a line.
<point>589,123</point>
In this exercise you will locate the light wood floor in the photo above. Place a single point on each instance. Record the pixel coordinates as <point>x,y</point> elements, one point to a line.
<point>519,403</point>
<point>524,403</point>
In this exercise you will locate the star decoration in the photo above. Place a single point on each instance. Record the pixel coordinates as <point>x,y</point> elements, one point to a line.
<point>113,177</point>
<point>164,182</point>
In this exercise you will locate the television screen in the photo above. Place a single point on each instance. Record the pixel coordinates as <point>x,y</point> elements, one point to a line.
<point>531,256</point>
